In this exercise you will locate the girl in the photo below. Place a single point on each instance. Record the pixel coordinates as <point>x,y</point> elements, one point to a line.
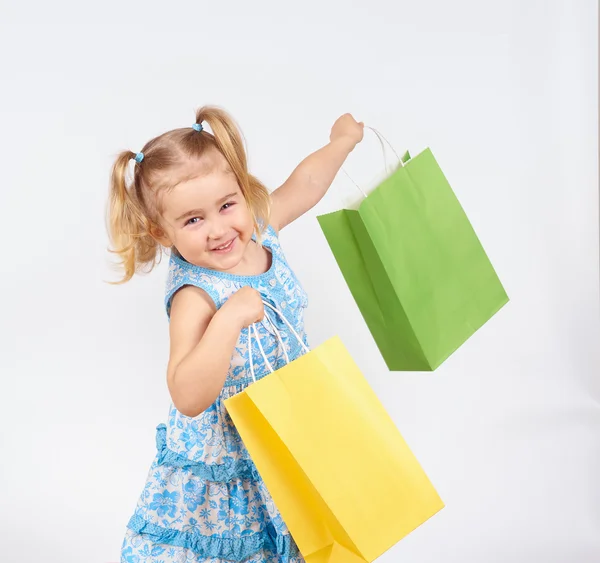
<point>192,194</point>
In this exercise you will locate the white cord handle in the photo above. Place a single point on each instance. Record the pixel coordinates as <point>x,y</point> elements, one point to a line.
<point>381,139</point>
<point>252,328</point>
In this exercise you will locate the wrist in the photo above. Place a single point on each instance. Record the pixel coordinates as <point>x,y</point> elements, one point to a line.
<point>345,143</point>
<point>230,316</point>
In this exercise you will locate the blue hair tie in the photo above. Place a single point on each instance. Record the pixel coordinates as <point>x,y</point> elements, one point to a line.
<point>197,127</point>
<point>139,157</point>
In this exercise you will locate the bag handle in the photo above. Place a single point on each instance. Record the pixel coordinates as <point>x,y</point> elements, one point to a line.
<point>381,140</point>
<point>252,328</point>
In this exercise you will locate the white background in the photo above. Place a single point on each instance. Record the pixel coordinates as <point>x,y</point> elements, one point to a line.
<point>504,93</point>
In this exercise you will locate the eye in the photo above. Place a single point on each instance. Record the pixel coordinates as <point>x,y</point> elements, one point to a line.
<point>228,205</point>
<point>193,221</point>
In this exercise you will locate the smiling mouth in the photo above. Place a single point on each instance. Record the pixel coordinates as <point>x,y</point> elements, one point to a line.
<point>224,247</point>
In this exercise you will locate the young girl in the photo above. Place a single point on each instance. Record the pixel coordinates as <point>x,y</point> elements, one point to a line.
<point>192,194</point>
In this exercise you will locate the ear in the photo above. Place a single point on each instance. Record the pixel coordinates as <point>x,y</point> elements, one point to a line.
<point>160,236</point>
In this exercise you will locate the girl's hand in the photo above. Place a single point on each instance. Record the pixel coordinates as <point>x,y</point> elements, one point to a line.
<point>245,307</point>
<point>348,129</point>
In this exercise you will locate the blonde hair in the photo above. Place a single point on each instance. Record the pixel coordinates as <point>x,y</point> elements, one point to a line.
<point>133,213</point>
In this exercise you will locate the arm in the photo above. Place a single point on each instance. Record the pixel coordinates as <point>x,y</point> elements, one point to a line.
<point>202,343</point>
<point>312,178</point>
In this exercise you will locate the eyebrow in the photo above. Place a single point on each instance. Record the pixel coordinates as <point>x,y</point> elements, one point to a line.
<point>199,211</point>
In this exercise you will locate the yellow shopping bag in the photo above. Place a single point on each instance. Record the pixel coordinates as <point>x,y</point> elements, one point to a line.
<point>346,484</point>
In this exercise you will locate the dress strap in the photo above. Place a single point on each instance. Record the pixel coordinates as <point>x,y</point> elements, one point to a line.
<point>271,239</point>
<point>181,275</point>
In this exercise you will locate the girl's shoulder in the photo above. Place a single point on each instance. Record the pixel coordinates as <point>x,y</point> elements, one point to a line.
<point>181,273</point>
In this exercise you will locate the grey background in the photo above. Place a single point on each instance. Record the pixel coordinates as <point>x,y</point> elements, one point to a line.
<point>505,94</point>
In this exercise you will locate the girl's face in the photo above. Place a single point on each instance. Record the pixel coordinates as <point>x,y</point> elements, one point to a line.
<point>205,217</point>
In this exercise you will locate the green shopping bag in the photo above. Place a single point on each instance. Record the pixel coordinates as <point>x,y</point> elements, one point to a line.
<point>415,266</point>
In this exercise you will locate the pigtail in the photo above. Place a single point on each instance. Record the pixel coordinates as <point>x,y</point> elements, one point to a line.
<point>129,227</point>
<point>229,142</point>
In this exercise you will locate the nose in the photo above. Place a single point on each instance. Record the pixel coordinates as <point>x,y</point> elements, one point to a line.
<point>218,230</point>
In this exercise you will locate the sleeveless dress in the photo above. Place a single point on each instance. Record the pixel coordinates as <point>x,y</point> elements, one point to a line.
<point>204,500</point>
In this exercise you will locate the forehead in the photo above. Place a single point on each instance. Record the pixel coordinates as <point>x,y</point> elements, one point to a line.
<point>199,183</point>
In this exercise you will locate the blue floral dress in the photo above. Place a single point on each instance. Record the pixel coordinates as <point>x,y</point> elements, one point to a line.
<point>204,499</point>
